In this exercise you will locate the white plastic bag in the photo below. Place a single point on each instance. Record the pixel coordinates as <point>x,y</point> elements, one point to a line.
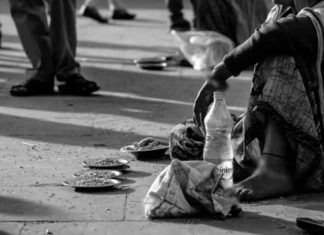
<point>203,49</point>
<point>186,189</point>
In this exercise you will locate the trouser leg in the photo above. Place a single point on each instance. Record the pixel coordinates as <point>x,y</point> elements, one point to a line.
<point>32,26</point>
<point>117,4</point>
<point>175,8</point>
<point>64,38</point>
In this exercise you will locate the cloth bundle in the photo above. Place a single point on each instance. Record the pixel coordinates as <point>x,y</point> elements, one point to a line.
<point>189,188</point>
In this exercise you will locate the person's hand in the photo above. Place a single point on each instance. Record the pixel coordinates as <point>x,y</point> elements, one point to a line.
<point>203,101</point>
<point>215,82</point>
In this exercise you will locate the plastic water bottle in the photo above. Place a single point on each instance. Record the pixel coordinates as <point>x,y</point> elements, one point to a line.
<point>218,146</point>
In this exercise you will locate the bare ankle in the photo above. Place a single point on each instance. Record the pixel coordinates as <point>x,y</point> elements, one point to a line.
<point>274,163</point>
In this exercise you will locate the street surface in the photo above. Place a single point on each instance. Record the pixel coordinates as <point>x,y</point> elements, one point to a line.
<point>45,139</point>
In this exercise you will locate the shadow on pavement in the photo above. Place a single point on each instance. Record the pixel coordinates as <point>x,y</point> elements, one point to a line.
<point>121,47</point>
<point>103,45</point>
<point>23,207</point>
<point>161,98</point>
<point>308,202</point>
<point>4,233</point>
<point>152,97</point>
<point>254,223</point>
<point>131,4</point>
<point>162,161</point>
<point>136,174</point>
<point>51,132</point>
<point>249,222</point>
<point>109,191</point>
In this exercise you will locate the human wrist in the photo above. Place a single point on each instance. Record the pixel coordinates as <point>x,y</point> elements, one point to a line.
<point>220,73</point>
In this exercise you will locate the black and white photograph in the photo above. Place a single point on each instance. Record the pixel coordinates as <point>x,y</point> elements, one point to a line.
<point>161,117</point>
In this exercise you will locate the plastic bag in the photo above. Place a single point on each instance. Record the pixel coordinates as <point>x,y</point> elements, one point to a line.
<point>203,49</point>
<point>189,188</point>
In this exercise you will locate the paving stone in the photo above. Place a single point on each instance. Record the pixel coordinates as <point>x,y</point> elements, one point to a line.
<point>109,228</point>
<point>11,228</point>
<point>60,204</point>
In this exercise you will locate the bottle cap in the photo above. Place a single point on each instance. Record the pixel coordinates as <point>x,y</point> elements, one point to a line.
<point>219,95</point>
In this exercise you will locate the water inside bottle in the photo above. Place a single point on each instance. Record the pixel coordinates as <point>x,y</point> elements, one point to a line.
<point>218,145</point>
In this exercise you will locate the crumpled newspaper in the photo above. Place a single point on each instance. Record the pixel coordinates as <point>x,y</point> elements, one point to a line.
<point>189,188</point>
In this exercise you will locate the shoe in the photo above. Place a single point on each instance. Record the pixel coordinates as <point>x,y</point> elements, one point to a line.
<point>76,84</point>
<point>181,25</point>
<point>32,87</point>
<point>122,14</point>
<point>93,13</point>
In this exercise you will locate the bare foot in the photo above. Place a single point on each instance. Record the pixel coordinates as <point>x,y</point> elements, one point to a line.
<point>264,183</point>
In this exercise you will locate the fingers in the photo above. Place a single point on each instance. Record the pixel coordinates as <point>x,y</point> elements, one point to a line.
<point>199,122</point>
<point>202,127</point>
<point>245,194</point>
<point>196,120</point>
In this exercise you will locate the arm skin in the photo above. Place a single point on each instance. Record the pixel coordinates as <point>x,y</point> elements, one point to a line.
<point>286,36</point>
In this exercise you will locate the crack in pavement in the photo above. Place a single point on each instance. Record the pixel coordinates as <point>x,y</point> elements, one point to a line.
<point>125,206</point>
<point>22,228</point>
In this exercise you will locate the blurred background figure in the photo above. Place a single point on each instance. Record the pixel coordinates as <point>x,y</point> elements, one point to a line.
<point>236,19</point>
<point>177,20</point>
<point>116,7</point>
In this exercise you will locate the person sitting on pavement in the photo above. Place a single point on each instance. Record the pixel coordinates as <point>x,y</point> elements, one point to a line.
<point>119,11</point>
<point>279,142</point>
<point>50,49</point>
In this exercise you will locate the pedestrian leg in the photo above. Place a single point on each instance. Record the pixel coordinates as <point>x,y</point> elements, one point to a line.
<point>32,26</point>
<point>178,22</point>
<point>64,39</point>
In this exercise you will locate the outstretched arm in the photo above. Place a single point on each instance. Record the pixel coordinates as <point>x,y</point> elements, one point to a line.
<point>286,36</point>
<point>216,81</point>
<point>290,35</point>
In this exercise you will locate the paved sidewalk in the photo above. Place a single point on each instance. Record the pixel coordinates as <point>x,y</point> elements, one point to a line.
<point>45,139</point>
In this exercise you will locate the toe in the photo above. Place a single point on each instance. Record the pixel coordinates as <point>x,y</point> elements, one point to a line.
<point>245,195</point>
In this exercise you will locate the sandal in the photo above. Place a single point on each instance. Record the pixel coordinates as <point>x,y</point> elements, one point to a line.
<point>123,14</point>
<point>78,85</point>
<point>32,87</point>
